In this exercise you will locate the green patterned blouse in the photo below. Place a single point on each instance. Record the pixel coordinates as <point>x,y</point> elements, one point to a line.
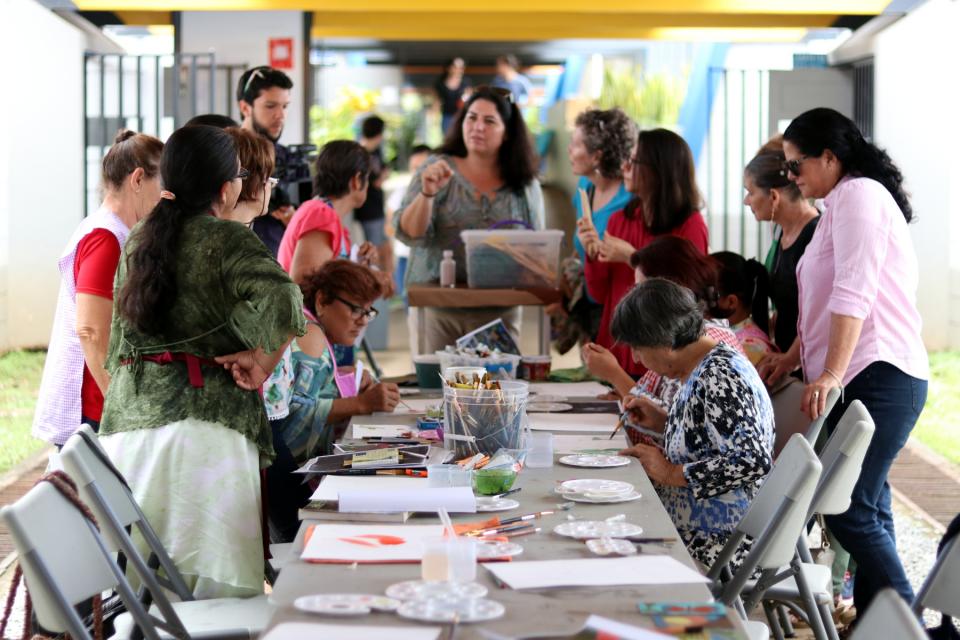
<point>458,207</point>
<point>232,295</point>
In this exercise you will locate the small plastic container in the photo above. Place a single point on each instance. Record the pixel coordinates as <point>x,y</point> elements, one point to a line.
<point>540,445</point>
<point>448,270</point>
<point>449,559</point>
<point>491,482</point>
<point>535,368</point>
<point>427,367</point>
<point>509,259</point>
<point>503,366</point>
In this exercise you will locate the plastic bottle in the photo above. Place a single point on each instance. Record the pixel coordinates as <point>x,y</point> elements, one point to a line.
<point>448,270</point>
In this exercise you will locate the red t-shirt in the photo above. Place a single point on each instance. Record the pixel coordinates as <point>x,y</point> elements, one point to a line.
<point>94,267</point>
<point>608,283</point>
<point>313,215</point>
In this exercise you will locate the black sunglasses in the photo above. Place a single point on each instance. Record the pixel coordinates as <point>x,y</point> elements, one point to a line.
<point>502,92</point>
<point>357,312</point>
<point>793,166</point>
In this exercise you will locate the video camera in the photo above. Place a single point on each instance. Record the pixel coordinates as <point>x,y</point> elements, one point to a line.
<point>293,172</point>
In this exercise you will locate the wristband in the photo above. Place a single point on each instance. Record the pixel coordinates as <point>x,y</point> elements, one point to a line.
<point>426,195</point>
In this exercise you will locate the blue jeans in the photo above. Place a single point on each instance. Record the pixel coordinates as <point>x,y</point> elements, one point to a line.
<point>894,400</point>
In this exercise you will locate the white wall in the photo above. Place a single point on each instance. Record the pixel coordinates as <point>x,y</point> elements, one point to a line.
<point>916,121</point>
<point>242,37</point>
<point>41,168</point>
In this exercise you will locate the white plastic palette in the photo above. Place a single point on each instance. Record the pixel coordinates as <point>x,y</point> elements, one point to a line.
<point>586,529</point>
<point>542,406</point>
<point>594,460</point>
<point>611,547</point>
<point>497,549</point>
<point>591,499</point>
<point>422,590</point>
<point>344,604</point>
<point>451,610</point>
<point>496,504</point>
<point>594,488</point>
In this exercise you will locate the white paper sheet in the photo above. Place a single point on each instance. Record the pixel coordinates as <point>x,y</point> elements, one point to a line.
<point>453,499</point>
<point>301,630</point>
<point>372,543</point>
<point>582,422</point>
<point>569,389</point>
<point>565,444</point>
<point>595,572</point>
<point>382,430</point>
<point>331,486</point>
<point>623,631</point>
<point>415,406</point>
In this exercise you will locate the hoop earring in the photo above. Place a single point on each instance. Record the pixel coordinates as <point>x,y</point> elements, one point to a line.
<point>773,212</point>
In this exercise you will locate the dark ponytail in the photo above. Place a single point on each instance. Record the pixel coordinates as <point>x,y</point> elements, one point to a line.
<point>820,129</point>
<point>748,280</point>
<point>195,164</point>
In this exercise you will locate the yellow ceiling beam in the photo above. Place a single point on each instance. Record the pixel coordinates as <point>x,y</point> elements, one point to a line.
<point>145,18</point>
<point>834,7</point>
<point>551,26</point>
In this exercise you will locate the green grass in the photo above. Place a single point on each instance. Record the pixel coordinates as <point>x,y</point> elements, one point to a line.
<point>19,382</point>
<point>939,424</point>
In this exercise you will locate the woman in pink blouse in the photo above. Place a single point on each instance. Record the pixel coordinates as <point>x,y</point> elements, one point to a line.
<point>859,327</point>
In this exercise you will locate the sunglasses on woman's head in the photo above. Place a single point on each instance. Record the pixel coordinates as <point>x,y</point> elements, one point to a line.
<point>504,93</point>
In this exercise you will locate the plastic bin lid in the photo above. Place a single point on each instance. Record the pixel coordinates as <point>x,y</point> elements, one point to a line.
<point>476,233</point>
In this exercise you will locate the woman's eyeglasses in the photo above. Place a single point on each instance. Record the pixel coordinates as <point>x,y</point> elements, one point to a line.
<point>793,166</point>
<point>357,312</point>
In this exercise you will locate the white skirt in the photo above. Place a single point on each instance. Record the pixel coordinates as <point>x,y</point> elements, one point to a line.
<point>198,483</point>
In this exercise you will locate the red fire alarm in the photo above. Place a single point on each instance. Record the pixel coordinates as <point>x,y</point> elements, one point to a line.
<point>281,53</point>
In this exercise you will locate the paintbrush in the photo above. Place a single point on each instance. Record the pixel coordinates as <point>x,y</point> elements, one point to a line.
<point>620,423</point>
<point>529,516</point>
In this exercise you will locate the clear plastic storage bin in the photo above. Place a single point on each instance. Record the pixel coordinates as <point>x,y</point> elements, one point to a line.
<point>507,259</point>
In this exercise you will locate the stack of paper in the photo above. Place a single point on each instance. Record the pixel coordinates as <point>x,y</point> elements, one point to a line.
<point>595,572</point>
<point>384,494</point>
<point>370,543</point>
<point>301,630</point>
<point>572,422</point>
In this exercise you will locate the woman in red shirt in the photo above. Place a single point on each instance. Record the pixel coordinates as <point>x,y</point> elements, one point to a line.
<point>661,175</point>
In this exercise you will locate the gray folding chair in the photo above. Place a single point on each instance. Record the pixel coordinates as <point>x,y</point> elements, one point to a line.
<point>805,585</point>
<point>774,521</point>
<point>105,490</point>
<point>58,575</point>
<point>888,617</point>
<point>941,589</point>
<point>789,418</point>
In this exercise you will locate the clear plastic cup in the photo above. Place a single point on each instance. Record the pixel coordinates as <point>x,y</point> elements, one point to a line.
<point>460,477</point>
<point>540,445</point>
<point>438,475</point>
<point>449,560</point>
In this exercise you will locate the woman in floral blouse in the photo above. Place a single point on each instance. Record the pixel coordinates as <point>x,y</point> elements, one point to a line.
<point>718,434</point>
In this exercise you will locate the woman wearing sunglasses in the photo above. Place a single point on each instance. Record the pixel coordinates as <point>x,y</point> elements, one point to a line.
<point>859,324</point>
<point>484,174</point>
<point>257,158</point>
<point>322,396</point>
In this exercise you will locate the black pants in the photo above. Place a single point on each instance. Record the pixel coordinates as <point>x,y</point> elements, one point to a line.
<point>286,492</point>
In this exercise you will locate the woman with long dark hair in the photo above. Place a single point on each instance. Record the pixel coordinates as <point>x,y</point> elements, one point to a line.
<point>201,316</point>
<point>660,174</point>
<point>859,325</point>
<point>484,174</point>
<point>452,88</point>
<point>743,288</point>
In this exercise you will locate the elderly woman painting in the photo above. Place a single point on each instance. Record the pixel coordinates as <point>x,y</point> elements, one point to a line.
<point>718,434</point>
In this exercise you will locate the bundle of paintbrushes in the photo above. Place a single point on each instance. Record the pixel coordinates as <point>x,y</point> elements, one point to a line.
<point>482,415</point>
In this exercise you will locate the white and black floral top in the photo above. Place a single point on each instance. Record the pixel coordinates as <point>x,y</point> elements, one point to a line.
<point>720,428</point>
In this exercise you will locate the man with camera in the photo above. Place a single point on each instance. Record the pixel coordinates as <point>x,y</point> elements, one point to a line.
<point>263,94</point>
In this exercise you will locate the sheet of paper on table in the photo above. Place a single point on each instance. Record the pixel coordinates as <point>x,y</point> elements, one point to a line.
<point>301,630</point>
<point>566,444</point>
<point>569,389</point>
<point>621,630</point>
<point>383,430</point>
<point>415,406</point>
<point>368,543</point>
<point>595,572</point>
<point>453,499</point>
<point>584,422</point>
<point>331,486</point>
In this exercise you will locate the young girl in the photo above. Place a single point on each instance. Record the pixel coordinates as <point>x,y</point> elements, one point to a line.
<point>743,288</point>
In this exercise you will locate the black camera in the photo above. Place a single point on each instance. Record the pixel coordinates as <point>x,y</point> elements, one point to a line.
<point>293,173</point>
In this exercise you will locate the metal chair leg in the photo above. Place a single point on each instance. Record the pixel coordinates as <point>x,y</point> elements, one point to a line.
<point>775,628</point>
<point>810,605</point>
<point>827,616</point>
<point>784,616</point>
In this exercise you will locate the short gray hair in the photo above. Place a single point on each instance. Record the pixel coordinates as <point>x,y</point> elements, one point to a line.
<point>612,133</point>
<point>658,313</point>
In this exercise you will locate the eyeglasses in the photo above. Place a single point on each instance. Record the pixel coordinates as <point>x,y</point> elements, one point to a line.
<point>793,166</point>
<point>357,312</point>
<point>242,174</point>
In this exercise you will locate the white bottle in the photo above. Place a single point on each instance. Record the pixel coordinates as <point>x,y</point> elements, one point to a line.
<point>448,270</point>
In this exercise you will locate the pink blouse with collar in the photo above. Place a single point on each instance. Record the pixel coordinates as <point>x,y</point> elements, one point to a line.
<point>861,263</point>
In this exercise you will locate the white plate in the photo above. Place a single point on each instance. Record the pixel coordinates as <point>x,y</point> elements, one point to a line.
<point>497,549</point>
<point>450,609</point>
<point>344,604</point>
<point>595,460</point>
<point>500,504</point>
<point>421,589</point>
<point>548,407</point>
<point>586,529</point>
<point>591,499</point>
<point>611,547</point>
<point>595,486</point>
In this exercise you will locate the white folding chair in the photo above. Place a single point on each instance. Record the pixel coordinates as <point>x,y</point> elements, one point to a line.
<point>105,490</point>
<point>58,575</point>
<point>805,584</point>
<point>774,521</point>
<point>789,418</point>
<point>888,617</point>
<point>941,589</point>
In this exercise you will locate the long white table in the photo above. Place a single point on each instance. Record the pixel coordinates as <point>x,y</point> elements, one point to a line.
<point>534,613</point>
